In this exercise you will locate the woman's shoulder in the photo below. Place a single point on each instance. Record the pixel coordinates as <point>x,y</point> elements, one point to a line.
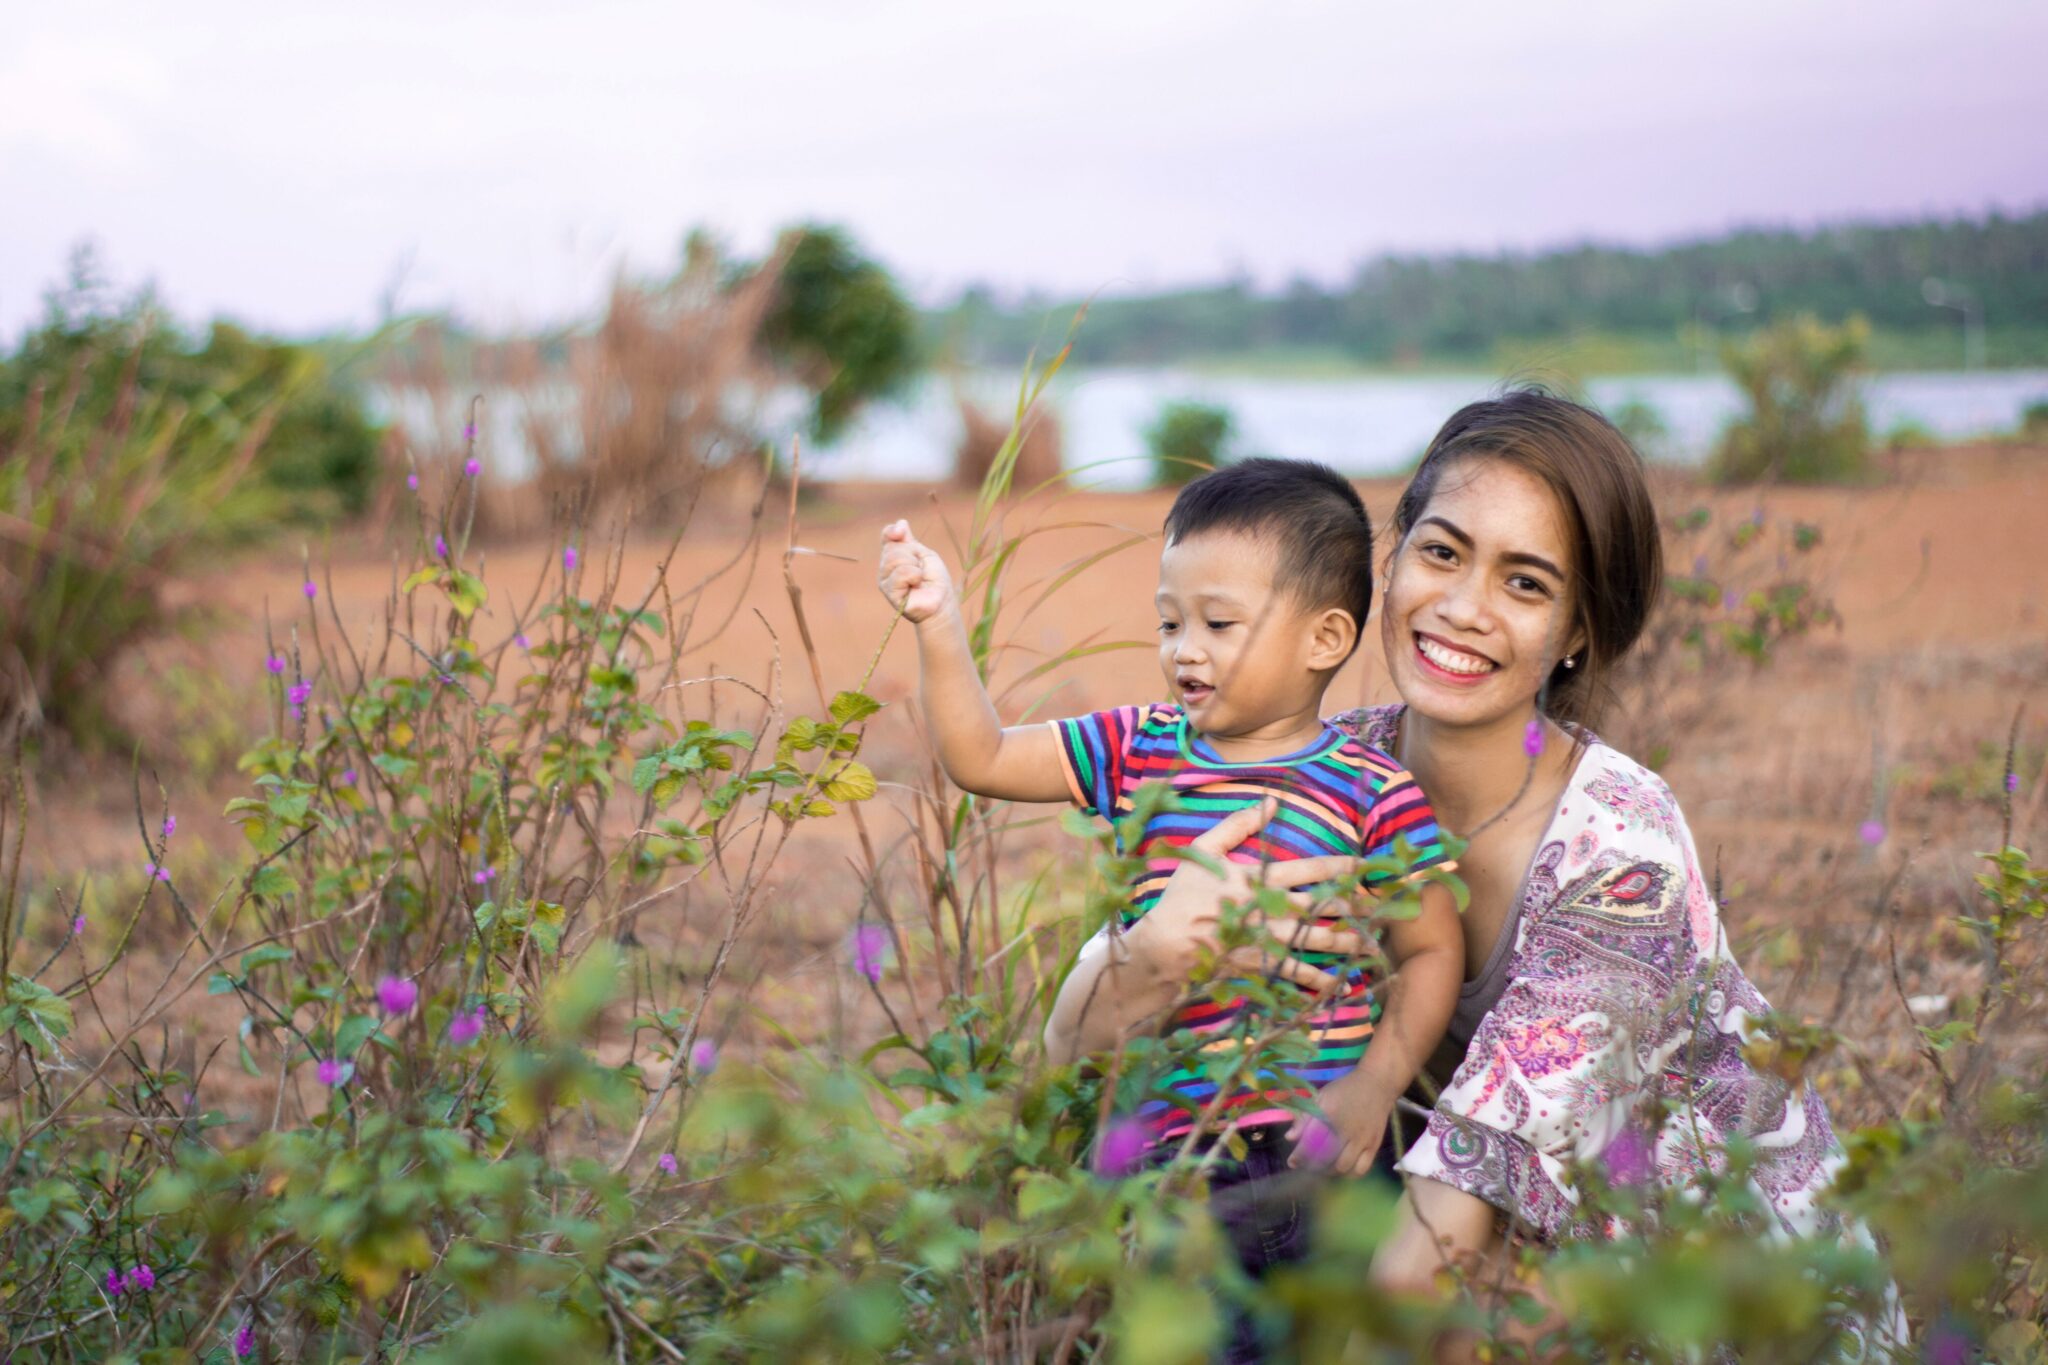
<point>1374,726</point>
<point>1627,803</point>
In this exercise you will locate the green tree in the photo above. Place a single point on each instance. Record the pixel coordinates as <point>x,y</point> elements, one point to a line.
<point>840,324</point>
<point>1805,422</point>
<point>1188,440</point>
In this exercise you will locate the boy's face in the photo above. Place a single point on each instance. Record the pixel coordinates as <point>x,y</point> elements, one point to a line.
<point>1236,652</point>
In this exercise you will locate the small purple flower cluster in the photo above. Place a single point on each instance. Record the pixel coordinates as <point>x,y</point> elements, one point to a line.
<point>333,1071</point>
<point>397,995</point>
<point>485,876</point>
<point>275,663</point>
<point>245,1339</point>
<point>870,951</point>
<point>1532,738</point>
<point>140,1279</point>
<point>464,1028</point>
<point>1120,1147</point>
<point>157,872</point>
<point>704,1056</point>
<point>296,696</point>
<point>667,1162</point>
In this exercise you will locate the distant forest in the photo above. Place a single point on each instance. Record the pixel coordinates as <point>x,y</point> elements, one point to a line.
<point>1400,310</point>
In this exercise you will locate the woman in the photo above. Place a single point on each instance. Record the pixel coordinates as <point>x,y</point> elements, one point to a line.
<point>1599,989</point>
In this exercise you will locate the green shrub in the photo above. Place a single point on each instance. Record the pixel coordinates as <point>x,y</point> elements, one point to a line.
<point>1188,440</point>
<point>2034,421</point>
<point>840,322</point>
<point>1645,427</point>
<point>1805,423</point>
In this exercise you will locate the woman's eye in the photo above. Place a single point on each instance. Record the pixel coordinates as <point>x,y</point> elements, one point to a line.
<point>1220,625</point>
<point>1438,551</point>
<point>1168,627</point>
<point>1524,583</point>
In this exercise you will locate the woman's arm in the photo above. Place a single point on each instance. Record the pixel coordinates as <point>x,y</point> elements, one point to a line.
<point>1122,982</point>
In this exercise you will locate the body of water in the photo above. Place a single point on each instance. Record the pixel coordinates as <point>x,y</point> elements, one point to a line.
<point>1361,426</point>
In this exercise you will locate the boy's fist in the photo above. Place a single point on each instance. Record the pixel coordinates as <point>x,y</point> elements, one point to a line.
<point>911,576</point>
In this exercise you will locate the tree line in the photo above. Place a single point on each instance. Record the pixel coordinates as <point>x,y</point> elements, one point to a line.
<point>1406,307</point>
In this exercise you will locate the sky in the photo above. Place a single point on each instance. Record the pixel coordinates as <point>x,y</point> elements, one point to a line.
<point>297,167</point>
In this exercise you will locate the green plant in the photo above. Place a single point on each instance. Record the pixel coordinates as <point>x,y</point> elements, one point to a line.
<point>2034,421</point>
<point>839,321</point>
<point>1645,427</point>
<point>1188,440</point>
<point>1805,423</point>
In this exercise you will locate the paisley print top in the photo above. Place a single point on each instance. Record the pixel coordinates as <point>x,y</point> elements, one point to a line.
<point>1621,990</point>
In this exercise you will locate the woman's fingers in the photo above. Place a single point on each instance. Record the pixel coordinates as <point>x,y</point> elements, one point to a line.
<point>1309,978</point>
<point>1307,871</point>
<point>1315,938</point>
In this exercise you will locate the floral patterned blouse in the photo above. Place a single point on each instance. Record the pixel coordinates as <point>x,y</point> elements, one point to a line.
<point>1621,989</point>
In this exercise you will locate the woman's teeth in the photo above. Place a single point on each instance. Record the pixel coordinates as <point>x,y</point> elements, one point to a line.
<point>1452,660</point>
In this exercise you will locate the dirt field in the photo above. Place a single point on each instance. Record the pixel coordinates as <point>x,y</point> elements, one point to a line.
<point>1940,574</point>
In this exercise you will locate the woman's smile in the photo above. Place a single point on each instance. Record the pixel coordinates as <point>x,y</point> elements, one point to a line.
<point>1450,664</point>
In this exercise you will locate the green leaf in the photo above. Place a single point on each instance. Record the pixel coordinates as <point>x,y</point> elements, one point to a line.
<point>220,983</point>
<point>849,708</point>
<point>466,592</point>
<point>168,1192</point>
<point>264,956</point>
<point>353,1033</point>
<point>274,882</point>
<point>35,1012</point>
<point>847,780</point>
<point>430,574</point>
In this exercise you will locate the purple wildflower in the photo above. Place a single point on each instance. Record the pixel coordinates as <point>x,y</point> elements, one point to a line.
<point>140,1280</point>
<point>2012,782</point>
<point>472,466</point>
<point>469,431</point>
<point>1727,601</point>
<point>1871,832</point>
<point>1699,567</point>
<point>870,950</point>
<point>348,777</point>
<point>1532,738</point>
<point>1947,1345</point>
<point>78,926</point>
<point>114,1282</point>
<point>412,481</point>
<point>275,663</point>
<point>465,1026</point>
<point>312,589</point>
<point>333,1071</point>
<point>397,995</point>
<point>299,694</point>
<point>485,876</point>
<point>157,873</point>
<point>440,546</point>
<point>1628,1158</point>
<point>1757,518</point>
<point>704,1056</point>
<point>568,558</point>
<point>521,640</point>
<point>667,1162</point>
<point>245,1339</point>
<point>170,825</point>
<point>1318,1144</point>
<point>1120,1147</point>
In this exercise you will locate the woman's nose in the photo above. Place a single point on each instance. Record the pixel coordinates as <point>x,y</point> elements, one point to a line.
<point>1461,605</point>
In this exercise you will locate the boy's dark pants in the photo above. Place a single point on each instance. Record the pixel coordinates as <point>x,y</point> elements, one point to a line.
<point>1265,1207</point>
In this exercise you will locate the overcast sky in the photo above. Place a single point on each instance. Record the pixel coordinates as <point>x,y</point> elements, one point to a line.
<point>285,164</point>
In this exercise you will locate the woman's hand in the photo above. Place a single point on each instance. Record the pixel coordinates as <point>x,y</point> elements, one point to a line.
<point>1185,925</point>
<point>1121,982</point>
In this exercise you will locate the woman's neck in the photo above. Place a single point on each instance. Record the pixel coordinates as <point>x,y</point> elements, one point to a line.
<point>1473,773</point>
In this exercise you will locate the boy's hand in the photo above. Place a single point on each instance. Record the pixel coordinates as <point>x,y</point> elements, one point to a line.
<point>1356,1111</point>
<point>912,576</point>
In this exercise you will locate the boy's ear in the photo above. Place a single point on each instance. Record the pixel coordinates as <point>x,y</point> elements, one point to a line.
<point>1331,639</point>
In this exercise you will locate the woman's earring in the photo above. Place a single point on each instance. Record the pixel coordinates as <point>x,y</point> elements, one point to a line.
<point>1571,661</point>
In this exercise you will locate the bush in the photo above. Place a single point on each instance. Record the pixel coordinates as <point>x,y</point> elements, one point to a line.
<point>840,323</point>
<point>1187,441</point>
<point>1805,423</point>
<point>1645,427</point>
<point>2034,421</point>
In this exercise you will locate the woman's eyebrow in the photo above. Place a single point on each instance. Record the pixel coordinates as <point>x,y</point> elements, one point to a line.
<point>1457,533</point>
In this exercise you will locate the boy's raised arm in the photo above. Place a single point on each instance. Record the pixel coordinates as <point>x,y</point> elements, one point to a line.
<point>1021,763</point>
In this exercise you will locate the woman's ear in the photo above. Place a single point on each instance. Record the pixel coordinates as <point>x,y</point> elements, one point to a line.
<point>1331,640</point>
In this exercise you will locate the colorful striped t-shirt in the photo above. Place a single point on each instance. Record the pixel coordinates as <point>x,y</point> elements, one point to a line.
<point>1338,795</point>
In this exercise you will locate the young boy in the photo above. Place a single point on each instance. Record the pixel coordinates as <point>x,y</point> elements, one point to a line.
<point>1265,581</point>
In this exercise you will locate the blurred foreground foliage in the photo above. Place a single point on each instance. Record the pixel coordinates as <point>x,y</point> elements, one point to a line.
<point>126,451</point>
<point>464,1071</point>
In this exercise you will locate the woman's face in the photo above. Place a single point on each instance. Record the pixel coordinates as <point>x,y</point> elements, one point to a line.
<point>1478,606</point>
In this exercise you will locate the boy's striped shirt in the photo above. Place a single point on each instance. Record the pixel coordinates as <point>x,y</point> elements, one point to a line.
<point>1338,795</point>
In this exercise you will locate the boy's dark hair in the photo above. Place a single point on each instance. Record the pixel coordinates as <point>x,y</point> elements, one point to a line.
<point>1310,513</point>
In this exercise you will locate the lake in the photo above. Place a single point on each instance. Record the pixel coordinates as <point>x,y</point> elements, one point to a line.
<point>1362,426</point>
